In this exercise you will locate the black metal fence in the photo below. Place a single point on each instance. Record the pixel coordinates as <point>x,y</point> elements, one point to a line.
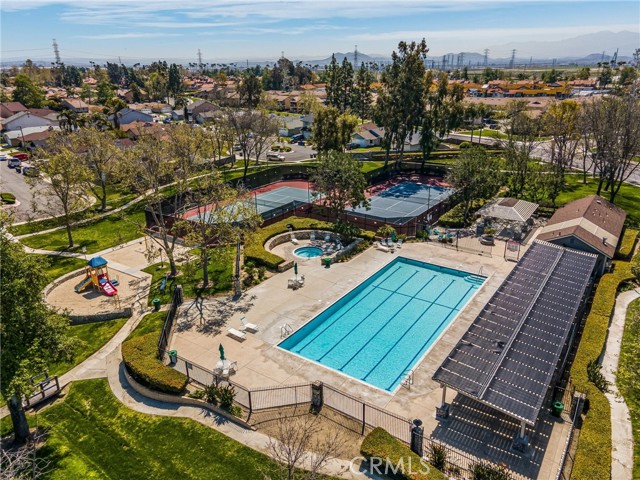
<point>169,321</point>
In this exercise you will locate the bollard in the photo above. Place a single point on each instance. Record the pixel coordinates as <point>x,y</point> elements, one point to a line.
<point>417,434</point>
<point>317,398</point>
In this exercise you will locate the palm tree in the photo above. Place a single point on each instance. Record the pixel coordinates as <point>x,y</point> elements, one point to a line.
<point>68,120</point>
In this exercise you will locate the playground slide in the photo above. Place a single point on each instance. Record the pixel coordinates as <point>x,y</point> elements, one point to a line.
<point>83,284</point>
<point>109,289</point>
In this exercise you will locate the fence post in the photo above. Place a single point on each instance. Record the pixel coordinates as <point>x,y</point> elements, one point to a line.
<point>317,397</point>
<point>417,434</point>
<point>364,422</point>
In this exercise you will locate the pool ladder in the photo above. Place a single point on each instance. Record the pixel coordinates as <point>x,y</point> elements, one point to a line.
<point>285,330</point>
<point>408,380</point>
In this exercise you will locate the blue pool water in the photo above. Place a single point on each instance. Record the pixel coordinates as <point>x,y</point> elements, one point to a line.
<point>379,330</point>
<point>308,252</point>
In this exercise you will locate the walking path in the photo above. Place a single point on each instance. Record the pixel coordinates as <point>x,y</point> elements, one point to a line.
<point>621,430</point>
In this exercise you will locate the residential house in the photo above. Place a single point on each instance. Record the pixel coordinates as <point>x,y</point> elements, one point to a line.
<point>412,143</point>
<point>198,107</point>
<point>26,135</point>
<point>289,126</point>
<point>34,140</point>
<point>75,105</point>
<point>25,119</point>
<point>208,116</point>
<point>9,109</point>
<point>135,129</point>
<point>177,114</point>
<point>127,116</point>
<point>367,135</point>
<point>590,224</point>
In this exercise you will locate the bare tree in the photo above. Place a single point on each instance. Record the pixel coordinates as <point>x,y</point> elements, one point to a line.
<point>186,145</point>
<point>242,124</point>
<point>265,130</point>
<point>300,449</point>
<point>614,129</point>
<point>18,462</point>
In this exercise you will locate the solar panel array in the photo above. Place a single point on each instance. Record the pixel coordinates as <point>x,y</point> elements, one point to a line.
<point>508,356</point>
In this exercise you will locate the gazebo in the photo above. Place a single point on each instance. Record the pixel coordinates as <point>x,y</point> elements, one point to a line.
<point>513,215</point>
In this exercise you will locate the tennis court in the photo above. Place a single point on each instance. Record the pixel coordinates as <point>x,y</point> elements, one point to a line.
<point>280,197</point>
<point>404,201</point>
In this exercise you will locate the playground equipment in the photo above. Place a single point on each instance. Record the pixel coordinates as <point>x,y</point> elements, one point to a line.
<point>98,276</point>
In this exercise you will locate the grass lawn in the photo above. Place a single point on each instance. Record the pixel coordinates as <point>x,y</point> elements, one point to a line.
<point>370,166</point>
<point>92,435</point>
<point>151,322</point>
<point>628,198</point>
<point>104,233</point>
<point>628,375</point>
<point>93,336</point>
<point>220,275</point>
<point>58,265</point>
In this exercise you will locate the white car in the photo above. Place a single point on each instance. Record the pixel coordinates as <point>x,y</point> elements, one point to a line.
<point>3,156</point>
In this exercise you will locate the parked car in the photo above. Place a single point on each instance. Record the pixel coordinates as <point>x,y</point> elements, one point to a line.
<point>351,146</point>
<point>30,170</point>
<point>14,162</point>
<point>301,143</point>
<point>21,156</point>
<point>3,157</point>
<point>296,138</point>
<point>275,156</point>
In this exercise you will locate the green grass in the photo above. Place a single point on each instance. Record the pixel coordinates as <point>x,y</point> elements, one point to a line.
<point>93,336</point>
<point>58,265</point>
<point>150,323</point>
<point>103,233</point>
<point>220,278</point>
<point>370,166</point>
<point>628,375</point>
<point>627,198</point>
<point>92,435</point>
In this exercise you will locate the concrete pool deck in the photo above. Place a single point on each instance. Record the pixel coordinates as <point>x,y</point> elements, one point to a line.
<point>271,305</point>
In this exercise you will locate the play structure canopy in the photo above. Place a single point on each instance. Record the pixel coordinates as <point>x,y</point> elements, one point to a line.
<point>97,262</point>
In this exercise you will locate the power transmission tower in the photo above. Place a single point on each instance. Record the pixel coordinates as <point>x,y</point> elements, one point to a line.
<point>199,60</point>
<point>56,52</point>
<point>461,59</point>
<point>355,57</point>
<point>513,58</point>
<point>444,62</point>
<point>486,57</point>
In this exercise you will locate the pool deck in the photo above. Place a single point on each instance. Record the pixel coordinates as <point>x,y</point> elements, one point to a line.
<point>271,304</point>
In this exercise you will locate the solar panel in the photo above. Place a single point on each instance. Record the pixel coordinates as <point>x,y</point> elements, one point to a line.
<point>509,355</point>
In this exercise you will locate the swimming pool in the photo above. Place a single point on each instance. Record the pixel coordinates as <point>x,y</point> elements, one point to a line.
<point>379,330</point>
<point>308,252</point>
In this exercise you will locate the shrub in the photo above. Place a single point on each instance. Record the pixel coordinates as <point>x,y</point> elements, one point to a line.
<point>382,445</point>
<point>486,471</point>
<point>211,394</point>
<point>454,218</point>
<point>465,145</point>
<point>594,372</point>
<point>226,395</point>
<point>139,356</point>
<point>8,198</point>
<point>438,456</point>
<point>593,455</point>
<point>627,243</point>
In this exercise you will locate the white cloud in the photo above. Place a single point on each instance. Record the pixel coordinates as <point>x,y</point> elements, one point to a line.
<point>117,36</point>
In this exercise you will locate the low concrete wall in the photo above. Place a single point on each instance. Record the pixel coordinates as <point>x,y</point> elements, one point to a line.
<point>300,235</point>
<point>346,250</point>
<point>60,280</point>
<point>193,402</point>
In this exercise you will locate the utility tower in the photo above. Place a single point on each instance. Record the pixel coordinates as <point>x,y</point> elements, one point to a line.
<point>444,62</point>
<point>512,62</point>
<point>486,57</point>
<point>56,52</point>
<point>461,59</point>
<point>199,60</point>
<point>355,57</point>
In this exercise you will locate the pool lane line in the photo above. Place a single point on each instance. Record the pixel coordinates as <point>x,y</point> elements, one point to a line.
<point>408,329</point>
<point>366,318</point>
<point>320,331</point>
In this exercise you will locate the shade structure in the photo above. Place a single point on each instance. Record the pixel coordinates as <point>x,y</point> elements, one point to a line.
<point>221,349</point>
<point>295,268</point>
<point>513,350</point>
<point>97,262</point>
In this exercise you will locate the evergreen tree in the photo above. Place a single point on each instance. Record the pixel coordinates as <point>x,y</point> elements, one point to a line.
<point>27,92</point>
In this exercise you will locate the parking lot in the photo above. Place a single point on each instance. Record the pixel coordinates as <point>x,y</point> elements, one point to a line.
<point>297,153</point>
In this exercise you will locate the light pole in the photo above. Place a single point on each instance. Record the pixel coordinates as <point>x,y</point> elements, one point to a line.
<point>22,134</point>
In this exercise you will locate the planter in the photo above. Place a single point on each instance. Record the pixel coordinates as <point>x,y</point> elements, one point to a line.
<point>487,240</point>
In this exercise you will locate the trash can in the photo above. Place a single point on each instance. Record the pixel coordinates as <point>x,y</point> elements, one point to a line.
<point>327,262</point>
<point>556,408</point>
<point>156,304</point>
<point>173,356</point>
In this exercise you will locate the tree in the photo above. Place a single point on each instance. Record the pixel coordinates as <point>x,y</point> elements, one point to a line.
<point>265,130</point>
<point>27,92</point>
<point>475,175</point>
<point>242,125</point>
<point>111,108</point>
<point>584,73</point>
<point>104,92</point>
<point>66,173</point>
<point>101,157</point>
<point>32,335</point>
<point>222,216</point>
<point>605,77</point>
<point>174,81</point>
<point>331,129</point>
<point>301,448</point>
<point>68,120</point>
<point>249,89</point>
<point>403,84</point>
<point>186,145</point>
<point>613,125</point>
<point>339,183</point>
<point>561,122</point>
<point>361,92</point>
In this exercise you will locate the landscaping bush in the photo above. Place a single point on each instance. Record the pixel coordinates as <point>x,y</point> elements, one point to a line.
<point>254,250</point>
<point>465,145</point>
<point>454,218</point>
<point>593,455</point>
<point>627,243</point>
<point>139,355</point>
<point>381,444</point>
<point>8,198</point>
<point>486,471</point>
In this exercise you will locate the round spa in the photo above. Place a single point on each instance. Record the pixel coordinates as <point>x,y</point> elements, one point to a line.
<point>308,252</point>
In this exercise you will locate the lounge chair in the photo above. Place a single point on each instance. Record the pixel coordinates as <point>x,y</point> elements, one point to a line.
<point>399,243</point>
<point>382,246</point>
<point>232,368</point>
<point>236,334</point>
<point>292,283</point>
<point>327,238</point>
<point>312,236</point>
<point>294,240</point>
<point>248,327</point>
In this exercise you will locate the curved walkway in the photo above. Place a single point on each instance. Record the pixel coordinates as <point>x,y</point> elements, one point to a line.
<point>621,430</point>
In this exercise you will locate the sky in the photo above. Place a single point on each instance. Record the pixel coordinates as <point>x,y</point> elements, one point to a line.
<point>235,30</point>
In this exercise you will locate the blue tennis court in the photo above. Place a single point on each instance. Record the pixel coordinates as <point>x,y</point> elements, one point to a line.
<point>404,201</point>
<point>280,197</point>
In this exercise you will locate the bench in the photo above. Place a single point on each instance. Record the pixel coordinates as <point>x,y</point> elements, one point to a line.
<point>236,334</point>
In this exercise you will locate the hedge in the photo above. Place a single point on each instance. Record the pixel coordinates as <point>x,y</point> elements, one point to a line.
<point>593,455</point>
<point>627,243</point>
<point>381,444</point>
<point>255,252</point>
<point>454,218</point>
<point>139,355</point>
<point>8,198</point>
